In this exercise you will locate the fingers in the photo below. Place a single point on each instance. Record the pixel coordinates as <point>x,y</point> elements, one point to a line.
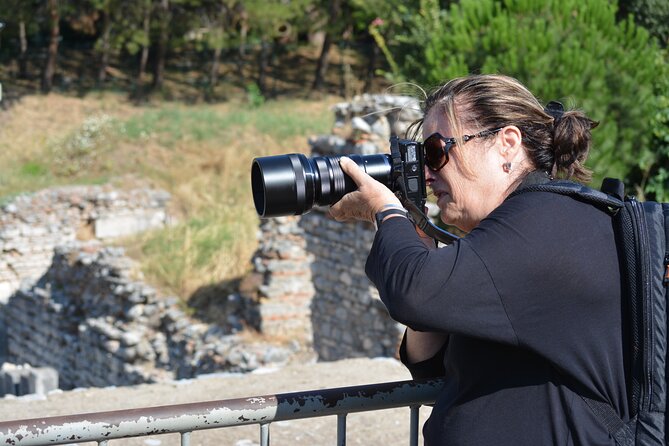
<point>350,207</point>
<point>363,203</point>
<point>354,171</point>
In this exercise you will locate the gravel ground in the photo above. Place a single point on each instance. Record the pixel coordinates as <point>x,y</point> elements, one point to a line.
<point>387,427</point>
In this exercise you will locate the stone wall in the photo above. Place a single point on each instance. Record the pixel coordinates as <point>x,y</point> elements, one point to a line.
<point>285,288</point>
<point>32,225</point>
<point>327,258</point>
<point>91,320</point>
<point>71,303</point>
<point>80,308</point>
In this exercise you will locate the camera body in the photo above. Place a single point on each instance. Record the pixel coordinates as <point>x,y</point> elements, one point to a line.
<point>292,184</point>
<point>408,170</point>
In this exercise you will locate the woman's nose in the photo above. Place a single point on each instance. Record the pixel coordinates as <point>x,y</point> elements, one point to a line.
<point>429,175</point>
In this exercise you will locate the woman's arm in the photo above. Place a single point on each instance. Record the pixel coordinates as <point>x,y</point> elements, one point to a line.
<point>423,345</point>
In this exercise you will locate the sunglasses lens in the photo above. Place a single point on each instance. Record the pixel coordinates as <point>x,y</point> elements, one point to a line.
<point>435,155</point>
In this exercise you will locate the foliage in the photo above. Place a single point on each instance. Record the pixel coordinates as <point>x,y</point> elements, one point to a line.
<point>254,96</point>
<point>82,152</point>
<point>657,170</point>
<point>651,14</point>
<point>567,50</point>
<point>268,16</point>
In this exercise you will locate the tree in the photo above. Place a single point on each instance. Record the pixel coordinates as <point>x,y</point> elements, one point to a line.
<point>21,16</point>
<point>163,17</point>
<point>52,52</point>
<point>651,14</point>
<point>381,21</point>
<point>268,20</point>
<point>219,19</point>
<point>332,31</point>
<point>561,49</point>
<point>106,8</point>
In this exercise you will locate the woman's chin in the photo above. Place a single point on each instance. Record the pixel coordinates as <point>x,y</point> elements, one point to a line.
<point>449,219</point>
<point>446,219</point>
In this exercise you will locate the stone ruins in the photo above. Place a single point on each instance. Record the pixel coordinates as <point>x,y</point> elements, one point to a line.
<point>74,304</point>
<point>318,264</point>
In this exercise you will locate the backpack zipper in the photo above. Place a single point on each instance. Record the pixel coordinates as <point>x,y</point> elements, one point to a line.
<point>647,310</point>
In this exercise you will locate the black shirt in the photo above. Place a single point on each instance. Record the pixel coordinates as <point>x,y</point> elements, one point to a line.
<point>531,300</point>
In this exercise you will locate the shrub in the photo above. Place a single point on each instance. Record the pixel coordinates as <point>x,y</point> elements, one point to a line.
<point>566,50</point>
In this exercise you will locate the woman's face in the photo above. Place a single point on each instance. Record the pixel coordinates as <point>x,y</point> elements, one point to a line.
<point>473,182</point>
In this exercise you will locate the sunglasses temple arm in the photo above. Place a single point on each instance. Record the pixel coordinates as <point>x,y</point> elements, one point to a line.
<point>423,222</point>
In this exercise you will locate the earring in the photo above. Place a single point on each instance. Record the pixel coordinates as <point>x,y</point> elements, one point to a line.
<point>506,167</point>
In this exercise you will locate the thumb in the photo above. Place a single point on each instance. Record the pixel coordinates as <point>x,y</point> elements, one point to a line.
<point>354,171</point>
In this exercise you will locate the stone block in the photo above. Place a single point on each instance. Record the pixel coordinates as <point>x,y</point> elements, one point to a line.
<point>113,226</point>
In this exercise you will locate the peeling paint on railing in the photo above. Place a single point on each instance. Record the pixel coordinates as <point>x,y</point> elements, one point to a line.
<point>185,418</point>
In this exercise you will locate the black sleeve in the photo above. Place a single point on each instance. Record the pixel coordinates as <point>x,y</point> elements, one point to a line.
<point>541,272</point>
<point>429,368</point>
<point>445,290</point>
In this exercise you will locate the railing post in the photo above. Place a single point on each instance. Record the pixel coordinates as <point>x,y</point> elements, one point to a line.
<point>264,434</point>
<point>413,426</point>
<point>185,439</point>
<point>341,429</point>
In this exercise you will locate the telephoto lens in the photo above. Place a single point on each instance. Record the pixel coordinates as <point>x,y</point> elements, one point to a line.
<point>293,184</point>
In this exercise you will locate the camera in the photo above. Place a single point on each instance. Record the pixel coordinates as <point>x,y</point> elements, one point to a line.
<point>293,184</point>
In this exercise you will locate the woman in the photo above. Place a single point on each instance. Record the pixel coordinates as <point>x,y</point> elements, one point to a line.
<point>523,315</point>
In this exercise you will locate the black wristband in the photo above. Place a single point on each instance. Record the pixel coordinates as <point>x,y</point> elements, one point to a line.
<point>380,216</point>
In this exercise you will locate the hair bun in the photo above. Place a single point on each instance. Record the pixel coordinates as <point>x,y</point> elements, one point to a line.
<point>572,139</point>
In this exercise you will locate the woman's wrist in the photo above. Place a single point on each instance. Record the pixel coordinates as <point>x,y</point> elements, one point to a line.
<point>386,206</point>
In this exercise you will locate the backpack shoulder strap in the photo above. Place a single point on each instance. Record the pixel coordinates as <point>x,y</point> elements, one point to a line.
<point>575,190</point>
<point>665,207</point>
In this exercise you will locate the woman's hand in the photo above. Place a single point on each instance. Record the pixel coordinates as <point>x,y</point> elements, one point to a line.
<point>362,204</point>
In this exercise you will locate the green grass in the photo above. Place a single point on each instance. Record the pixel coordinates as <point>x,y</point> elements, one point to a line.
<point>273,119</point>
<point>34,169</point>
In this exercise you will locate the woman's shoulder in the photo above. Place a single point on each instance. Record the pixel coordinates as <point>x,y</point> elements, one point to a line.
<point>542,203</point>
<point>537,214</point>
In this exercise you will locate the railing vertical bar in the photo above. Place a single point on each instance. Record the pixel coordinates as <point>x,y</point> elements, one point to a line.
<point>341,429</point>
<point>185,439</point>
<point>264,434</point>
<point>103,443</point>
<point>413,426</point>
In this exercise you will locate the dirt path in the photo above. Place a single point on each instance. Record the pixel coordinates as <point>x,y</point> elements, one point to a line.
<point>388,427</point>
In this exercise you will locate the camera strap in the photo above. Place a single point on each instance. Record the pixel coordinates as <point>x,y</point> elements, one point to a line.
<point>423,222</point>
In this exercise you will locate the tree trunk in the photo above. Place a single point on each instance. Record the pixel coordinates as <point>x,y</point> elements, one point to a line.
<point>23,51</point>
<point>263,63</point>
<point>161,49</point>
<point>243,23</point>
<point>104,56</point>
<point>215,63</point>
<point>323,62</point>
<point>371,64</point>
<point>146,29</point>
<point>221,24</point>
<point>52,54</point>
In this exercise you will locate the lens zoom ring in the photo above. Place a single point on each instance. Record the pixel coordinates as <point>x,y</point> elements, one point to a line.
<point>338,179</point>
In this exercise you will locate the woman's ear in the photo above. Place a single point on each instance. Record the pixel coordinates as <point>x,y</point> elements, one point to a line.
<point>512,143</point>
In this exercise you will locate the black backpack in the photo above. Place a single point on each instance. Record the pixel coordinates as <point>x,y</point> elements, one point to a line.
<point>642,236</point>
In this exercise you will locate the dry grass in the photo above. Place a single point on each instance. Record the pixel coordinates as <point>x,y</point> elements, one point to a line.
<point>201,154</point>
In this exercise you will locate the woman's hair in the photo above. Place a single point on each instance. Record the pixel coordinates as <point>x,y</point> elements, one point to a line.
<point>556,141</point>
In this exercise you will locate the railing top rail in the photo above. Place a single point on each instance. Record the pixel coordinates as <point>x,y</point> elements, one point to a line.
<point>212,414</point>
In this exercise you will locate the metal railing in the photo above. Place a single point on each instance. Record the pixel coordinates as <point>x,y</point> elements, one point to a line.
<point>262,410</point>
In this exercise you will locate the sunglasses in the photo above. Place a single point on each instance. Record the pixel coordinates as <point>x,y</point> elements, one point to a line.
<point>436,147</point>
